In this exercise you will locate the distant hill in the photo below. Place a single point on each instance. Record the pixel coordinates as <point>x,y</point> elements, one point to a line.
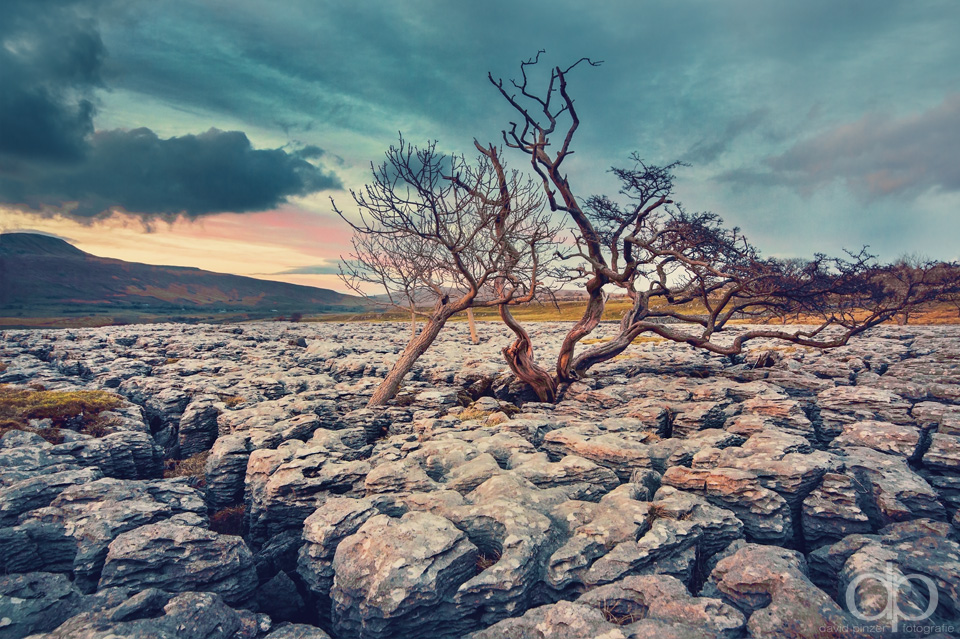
<point>43,276</point>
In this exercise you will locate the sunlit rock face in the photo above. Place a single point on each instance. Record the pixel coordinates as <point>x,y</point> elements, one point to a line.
<point>670,493</point>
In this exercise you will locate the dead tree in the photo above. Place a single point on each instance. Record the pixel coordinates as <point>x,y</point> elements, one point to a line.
<point>435,229</point>
<point>686,268</point>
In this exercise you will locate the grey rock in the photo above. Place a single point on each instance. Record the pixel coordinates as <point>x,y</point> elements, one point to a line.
<point>296,631</point>
<point>770,585</point>
<point>17,438</point>
<point>665,599</point>
<point>943,454</point>
<point>225,471</point>
<point>765,514</point>
<point>392,571</point>
<point>848,404</point>
<point>892,439</point>
<point>892,491</point>
<point>124,455</point>
<point>279,598</point>
<point>198,426</point>
<point>337,519</point>
<point>612,522</point>
<point>35,602</point>
<point>191,615</point>
<point>513,542</point>
<point>562,620</point>
<point>181,558</point>
<point>36,546</point>
<point>39,491</point>
<point>583,478</point>
<point>623,453</point>
<point>781,412</point>
<point>831,512</point>
<point>82,521</point>
<point>295,480</point>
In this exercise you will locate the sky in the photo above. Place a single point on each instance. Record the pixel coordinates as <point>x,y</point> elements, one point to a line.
<point>213,133</point>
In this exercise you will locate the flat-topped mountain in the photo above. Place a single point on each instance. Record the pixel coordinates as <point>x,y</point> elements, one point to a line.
<point>43,276</point>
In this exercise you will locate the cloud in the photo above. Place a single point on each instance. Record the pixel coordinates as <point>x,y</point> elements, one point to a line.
<point>51,159</point>
<point>330,268</point>
<point>310,152</point>
<point>709,149</point>
<point>876,156</point>
<point>50,62</point>
<point>193,175</point>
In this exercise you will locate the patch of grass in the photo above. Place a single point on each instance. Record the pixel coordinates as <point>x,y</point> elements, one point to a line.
<point>228,521</point>
<point>96,428</point>
<point>942,313</point>
<point>193,467</point>
<point>232,401</point>
<point>171,360</point>
<point>473,413</point>
<point>485,560</point>
<point>51,435</point>
<point>621,612</point>
<point>77,409</point>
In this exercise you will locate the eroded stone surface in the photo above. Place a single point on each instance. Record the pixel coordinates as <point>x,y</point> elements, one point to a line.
<point>457,511</point>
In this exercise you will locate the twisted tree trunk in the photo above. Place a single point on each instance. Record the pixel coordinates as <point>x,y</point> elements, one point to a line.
<point>519,356</point>
<point>583,327</point>
<point>630,329</point>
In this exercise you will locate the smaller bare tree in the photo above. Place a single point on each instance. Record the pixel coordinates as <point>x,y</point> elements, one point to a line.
<point>435,227</point>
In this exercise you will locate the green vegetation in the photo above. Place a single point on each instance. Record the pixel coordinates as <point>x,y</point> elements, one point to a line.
<point>76,410</point>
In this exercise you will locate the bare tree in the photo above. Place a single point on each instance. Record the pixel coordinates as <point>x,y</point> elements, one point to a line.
<point>687,268</point>
<point>461,234</point>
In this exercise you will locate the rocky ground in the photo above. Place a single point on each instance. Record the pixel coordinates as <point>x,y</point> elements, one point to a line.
<point>671,494</point>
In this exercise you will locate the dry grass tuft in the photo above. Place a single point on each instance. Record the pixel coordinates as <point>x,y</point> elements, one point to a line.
<point>96,428</point>
<point>228,521</point>
<point>192,467</point>
<point>473,413</point>
<point>659,511</point>
<point>485,560</point>
<point>232,401</point>
<point>51,435</point>
<point>171,360</point>
<point>621,613</point>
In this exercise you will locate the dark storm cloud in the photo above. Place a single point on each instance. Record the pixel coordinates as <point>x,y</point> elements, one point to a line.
<point>744,89</point>
<point>51,63</point>
<point>875,156</point>
<point>216,171</point>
